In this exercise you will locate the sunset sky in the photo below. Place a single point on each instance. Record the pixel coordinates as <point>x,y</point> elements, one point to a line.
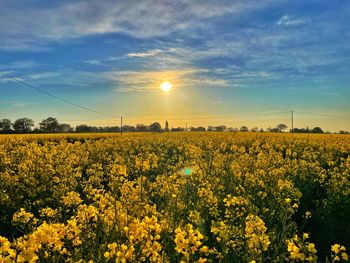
<point>237,62</point>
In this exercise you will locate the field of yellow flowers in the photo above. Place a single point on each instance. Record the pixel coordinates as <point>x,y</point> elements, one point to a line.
<point>171,197</point>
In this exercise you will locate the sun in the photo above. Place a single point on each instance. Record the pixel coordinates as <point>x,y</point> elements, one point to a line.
<point>166,86</point>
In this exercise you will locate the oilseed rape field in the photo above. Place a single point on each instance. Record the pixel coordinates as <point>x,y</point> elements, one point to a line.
<point>175,197</point>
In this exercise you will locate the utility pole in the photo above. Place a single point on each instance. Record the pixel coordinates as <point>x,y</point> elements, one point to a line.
<point>121,125</point>
<point>292,120</point>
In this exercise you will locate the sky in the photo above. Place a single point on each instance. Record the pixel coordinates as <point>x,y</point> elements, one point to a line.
<point>231,62</point>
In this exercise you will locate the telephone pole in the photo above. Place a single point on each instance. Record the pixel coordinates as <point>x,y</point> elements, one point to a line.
<point>121,125</point>
<point>292,120</point>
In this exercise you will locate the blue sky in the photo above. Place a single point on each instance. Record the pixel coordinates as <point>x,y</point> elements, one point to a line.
<point>238,62</point>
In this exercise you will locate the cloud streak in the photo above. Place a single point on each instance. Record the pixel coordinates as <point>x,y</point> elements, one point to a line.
<point>289,21</point>
<point>148,81</point>
<point>69,20</point>
<point>149,53</point>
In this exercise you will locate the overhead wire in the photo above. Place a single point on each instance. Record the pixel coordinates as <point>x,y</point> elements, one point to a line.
<point>54,96</point>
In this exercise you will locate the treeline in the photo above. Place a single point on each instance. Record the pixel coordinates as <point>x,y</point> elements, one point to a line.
<point>51,125</point>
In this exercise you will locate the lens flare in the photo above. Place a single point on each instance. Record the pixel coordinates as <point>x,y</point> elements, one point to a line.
<point>187,171</point>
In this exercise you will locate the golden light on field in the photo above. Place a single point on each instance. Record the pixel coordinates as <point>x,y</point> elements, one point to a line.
<point>166,86</point>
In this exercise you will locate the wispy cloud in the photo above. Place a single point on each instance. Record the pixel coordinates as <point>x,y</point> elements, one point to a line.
<point>112,58</point>
<point>4,79</point>
<point>131,89</point>
<point>21,104</point>
<point>272,112</point>
<point>289,21</point>
<point>69,20</point>
<point>149,53</point>
<point>135,81</point>
<point>66,77</point>
<point>92,62</point>
<point>43,75</point>
<point>22,64</point>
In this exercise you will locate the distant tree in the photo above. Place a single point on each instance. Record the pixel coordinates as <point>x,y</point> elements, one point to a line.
<point>141,127</point>
<point>255,129</point>
<point>197,129</point>
<point>129,128</point>
<point>84,128</point>
<point>210,128</point>
<point>49,125</point>
<point>177,129</point>
<point>155,127</point>
<point>166,126</point>
<point>274,130</point>
<point>299,130</point>
<point>5,125</point>
<point>343,132</point>
<point>232,129</point>
<point>281,127</point>
<point>23,125</point>
<point>317,130</point>
<point>111,129</point>
<point>64,127</point>
<point>221,128</point>
<point>261,130</point>
<point>243,129</point>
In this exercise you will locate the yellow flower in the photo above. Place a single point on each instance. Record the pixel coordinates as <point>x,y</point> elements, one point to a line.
<point>255,230</point>
<point>22,217</point>
<point>187,240</point>
<point>72,199</point>
<point>335,248</point>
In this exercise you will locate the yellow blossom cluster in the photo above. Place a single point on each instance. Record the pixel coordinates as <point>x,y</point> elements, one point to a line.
<point>339,253</point>
<point>255,233</point>
<point>300,249</point>
<point>187,241</point>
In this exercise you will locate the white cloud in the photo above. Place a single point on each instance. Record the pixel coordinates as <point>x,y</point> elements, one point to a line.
<point>136,81</point>
<point>149,53</point>
<point>92,62</point>
<point>289,21</point>
<point>25,64</point>
<point>141,19</point>
<point>5,79</point>
<point>44,75</point>
<point>109,59</point>
<point>74,78</point>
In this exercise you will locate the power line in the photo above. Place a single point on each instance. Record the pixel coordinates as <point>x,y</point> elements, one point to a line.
<point>54,96</point>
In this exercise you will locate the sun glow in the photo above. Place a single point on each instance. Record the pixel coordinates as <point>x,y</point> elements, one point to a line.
<point>166,86</point>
